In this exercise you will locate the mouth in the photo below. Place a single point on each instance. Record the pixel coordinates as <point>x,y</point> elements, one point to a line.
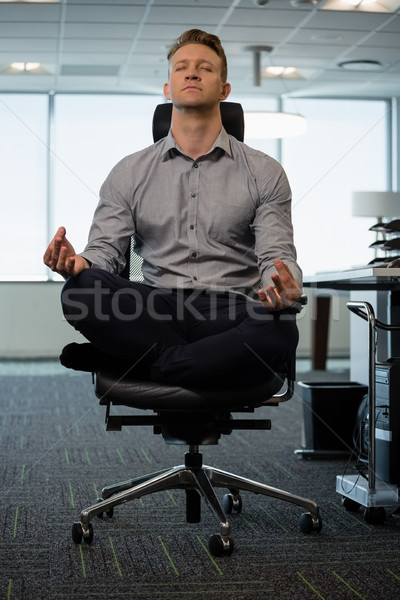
<point>191,87</point>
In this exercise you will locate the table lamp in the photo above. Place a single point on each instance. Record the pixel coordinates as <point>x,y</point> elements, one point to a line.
<point>380,205</point>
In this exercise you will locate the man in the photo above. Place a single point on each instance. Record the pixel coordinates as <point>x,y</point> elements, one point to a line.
<point>211,219</point>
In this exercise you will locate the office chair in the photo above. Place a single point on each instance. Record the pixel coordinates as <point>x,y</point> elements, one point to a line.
<point>191,417</point>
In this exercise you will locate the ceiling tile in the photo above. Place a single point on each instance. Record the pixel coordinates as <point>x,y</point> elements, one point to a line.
<point>127,41</point>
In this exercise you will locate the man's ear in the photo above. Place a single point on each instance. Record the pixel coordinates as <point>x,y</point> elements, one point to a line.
<point>166,91</point>
<point>226,90</point>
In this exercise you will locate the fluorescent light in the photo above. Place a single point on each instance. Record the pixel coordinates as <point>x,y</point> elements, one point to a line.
<point>18,66</point>
<point>32,66</point>
<point>276,71</point>
<point>268,125</point>
<point>24,67</point>
<point>377,6</point>
<point>360,2</point>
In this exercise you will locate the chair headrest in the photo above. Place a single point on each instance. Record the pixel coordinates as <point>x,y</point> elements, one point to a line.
<point>231,113</point>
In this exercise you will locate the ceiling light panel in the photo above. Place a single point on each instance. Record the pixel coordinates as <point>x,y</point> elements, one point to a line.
<point>24,68</point>
<point>280,72</point>
<point>374,6</point>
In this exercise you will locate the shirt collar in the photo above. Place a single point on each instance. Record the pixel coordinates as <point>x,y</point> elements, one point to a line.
<point>222,141</point>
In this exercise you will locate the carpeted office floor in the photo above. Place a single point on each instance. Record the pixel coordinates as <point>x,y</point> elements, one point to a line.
<point>56,457</point>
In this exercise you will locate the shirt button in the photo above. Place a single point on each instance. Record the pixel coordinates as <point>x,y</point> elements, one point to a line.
<point>195,165</point>
<point>193,195</point>
<point>194,254</point>
<point>192,227</point>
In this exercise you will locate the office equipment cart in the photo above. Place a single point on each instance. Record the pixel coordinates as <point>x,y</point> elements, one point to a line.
<point>378,490</point>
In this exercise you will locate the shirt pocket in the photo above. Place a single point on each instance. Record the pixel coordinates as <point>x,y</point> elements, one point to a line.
<point>229,223</point>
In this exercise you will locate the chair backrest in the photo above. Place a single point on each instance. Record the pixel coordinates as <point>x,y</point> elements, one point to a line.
<point>231,114</point>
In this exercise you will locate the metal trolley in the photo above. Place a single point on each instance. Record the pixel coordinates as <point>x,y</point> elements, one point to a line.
<point>377,496</point>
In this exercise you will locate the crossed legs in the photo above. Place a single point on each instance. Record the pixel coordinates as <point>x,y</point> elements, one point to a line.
<point>191,338</point>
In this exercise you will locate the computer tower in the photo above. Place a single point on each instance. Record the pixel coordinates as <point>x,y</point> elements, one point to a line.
<point>376,487</point>
<point>387,421</point>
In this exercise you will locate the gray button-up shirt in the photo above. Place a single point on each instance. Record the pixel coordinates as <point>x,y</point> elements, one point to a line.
<point>216,222</point>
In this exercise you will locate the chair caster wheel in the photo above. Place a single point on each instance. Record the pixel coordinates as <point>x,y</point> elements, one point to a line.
<point>218,546</point>
<point>350,505</point>
<point>308,523</point>
<point>232,503</point>
<point>375,515</point>
<point>78,533</point>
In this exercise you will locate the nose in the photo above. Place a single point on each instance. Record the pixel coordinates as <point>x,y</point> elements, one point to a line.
<point>191,76</point>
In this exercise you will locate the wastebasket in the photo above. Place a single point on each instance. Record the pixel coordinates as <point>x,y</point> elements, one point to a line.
<point>329,418</point>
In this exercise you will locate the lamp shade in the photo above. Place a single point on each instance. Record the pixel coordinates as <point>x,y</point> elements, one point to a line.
<point>376,204</point>
<point>267,125</point>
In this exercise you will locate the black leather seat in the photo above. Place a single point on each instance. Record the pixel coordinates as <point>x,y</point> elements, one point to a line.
<point>190,417</point>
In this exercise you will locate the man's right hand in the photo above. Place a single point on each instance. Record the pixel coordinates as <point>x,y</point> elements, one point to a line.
<point>60,256</point>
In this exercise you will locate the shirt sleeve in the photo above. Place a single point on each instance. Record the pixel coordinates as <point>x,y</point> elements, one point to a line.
<point>272,225</point>
<point>113,224</point>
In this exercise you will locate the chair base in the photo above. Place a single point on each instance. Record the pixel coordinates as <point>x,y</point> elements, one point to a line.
<point>198,481</point>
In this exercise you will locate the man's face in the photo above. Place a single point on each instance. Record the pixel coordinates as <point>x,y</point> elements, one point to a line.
<point>195,77</point>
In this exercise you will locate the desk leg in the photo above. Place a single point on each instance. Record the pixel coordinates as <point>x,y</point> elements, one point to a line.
<point>320,332</point>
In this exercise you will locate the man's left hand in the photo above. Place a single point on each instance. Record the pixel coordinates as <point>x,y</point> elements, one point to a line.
<point>285,290</point>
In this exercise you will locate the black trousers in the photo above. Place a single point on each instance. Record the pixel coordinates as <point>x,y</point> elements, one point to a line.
<point>191,338</point>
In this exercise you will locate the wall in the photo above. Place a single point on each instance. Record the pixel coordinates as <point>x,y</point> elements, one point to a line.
<point>32,325</point>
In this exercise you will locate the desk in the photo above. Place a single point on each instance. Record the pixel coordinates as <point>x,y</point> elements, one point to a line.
<point>378,285</point>
<point>369,278</point>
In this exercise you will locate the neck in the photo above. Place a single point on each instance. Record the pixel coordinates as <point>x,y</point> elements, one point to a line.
<point>195,131</point>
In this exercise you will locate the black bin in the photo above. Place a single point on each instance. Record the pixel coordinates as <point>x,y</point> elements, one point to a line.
<point>329,417</point>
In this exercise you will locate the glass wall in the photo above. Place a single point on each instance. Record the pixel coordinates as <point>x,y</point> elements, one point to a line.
<point>345,149</point>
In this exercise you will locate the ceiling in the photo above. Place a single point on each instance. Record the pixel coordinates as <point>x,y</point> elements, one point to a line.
<point>120,46</point>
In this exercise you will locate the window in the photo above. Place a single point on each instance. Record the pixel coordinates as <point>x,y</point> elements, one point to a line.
<point>23,155</point>
<point>344,150</point>
<point>92,133</point>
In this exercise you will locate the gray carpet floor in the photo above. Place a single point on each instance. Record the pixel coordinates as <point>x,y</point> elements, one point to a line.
<point>56,456</point>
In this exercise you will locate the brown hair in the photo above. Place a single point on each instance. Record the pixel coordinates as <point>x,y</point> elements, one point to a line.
<point>197,36</point>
